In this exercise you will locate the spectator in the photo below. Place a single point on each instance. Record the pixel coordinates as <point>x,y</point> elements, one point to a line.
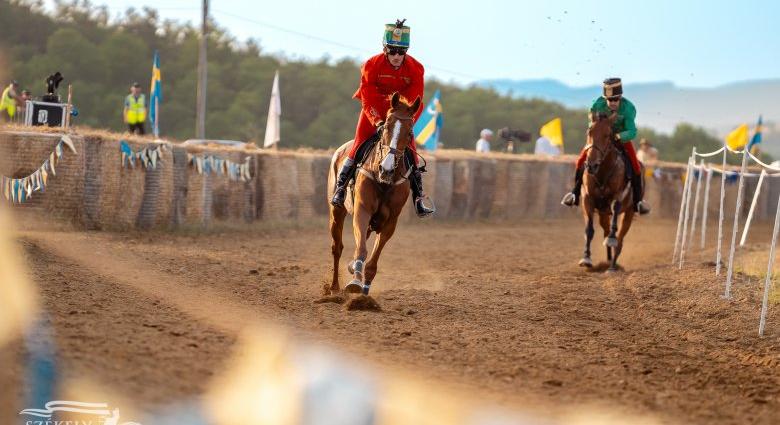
<point>647,153</point>
<point>483,144</point>
<point>8,102</point>
<point>135,110</point>
<point>545,147</point>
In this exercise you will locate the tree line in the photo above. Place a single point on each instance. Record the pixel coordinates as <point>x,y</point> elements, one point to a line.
<point>102,56</point>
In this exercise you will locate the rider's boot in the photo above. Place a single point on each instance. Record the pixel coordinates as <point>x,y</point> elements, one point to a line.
<point>415,182</point>
<point>642,207</point>
<point>573,198</point>
<point>345,175</point>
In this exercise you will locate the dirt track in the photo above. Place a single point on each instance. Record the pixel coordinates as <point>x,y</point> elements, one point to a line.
<point>498,311</point>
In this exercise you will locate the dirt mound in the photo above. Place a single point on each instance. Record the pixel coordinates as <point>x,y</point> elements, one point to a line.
<point>362,302</point>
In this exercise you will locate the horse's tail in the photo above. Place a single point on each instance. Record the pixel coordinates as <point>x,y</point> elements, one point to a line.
<point>335,164</point>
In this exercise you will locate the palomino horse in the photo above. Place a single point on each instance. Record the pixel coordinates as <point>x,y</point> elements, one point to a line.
<point>605,189</point>
<point>380,192</point>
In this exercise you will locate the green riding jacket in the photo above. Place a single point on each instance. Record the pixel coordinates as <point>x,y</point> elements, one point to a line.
<point>625,124</point>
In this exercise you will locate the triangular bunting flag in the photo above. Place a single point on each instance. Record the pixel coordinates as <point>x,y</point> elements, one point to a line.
<point>69,142</point>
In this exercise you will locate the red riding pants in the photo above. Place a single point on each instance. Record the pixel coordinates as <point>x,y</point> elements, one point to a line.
<point>365,130</point>
<point>629,148</point>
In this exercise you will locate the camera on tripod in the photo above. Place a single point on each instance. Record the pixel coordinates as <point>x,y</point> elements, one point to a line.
<point>52,84</point>
<point>511,136</point>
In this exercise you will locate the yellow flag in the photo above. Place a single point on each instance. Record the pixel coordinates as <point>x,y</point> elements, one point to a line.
<point>553,132</point>
<point>738,138</point>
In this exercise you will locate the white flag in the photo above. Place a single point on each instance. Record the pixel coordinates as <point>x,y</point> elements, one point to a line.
<point>274,114</point>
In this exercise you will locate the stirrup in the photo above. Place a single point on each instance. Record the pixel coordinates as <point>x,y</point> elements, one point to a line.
<point>642,207</point>
<point>426,212</point>
<point>569,199</point>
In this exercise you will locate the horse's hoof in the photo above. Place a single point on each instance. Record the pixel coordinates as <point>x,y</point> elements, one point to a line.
<point>611,242</point>
<point>354,287</point>
<point>611,270</point>
<point>586,262</point>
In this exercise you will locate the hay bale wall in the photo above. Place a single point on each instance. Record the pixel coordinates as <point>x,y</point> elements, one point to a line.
<point>93,190</point>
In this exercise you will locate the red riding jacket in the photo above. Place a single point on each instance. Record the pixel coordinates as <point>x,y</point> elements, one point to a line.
<point>378,81</point>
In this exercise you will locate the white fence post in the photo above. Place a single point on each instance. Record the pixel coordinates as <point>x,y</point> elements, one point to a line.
<point>769,267</point>
<point>718,256</point>
<point>752,208</point>
<point>689,181</point>
<point>681,215</point>
<point>696,203</point>
<point>740,189</point>
<point>705,208</point>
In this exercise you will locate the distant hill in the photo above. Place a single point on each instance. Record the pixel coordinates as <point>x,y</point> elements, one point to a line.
<point>663,105</point>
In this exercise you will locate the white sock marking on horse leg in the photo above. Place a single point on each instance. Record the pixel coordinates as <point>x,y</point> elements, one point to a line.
<point>389,160</point>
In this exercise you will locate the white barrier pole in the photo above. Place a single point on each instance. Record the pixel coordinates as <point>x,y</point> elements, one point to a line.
<point>718,256</point>
<point>769,267</point>
<point>740,189</point>
<point>681,215</point>
<point>705,208</point>
<point>696,203</point>
<point>689,181</point>
<point>752,208</point>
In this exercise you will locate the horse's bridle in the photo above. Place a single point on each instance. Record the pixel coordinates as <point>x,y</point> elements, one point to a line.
<point>593,170</point>
<point>398,154</point>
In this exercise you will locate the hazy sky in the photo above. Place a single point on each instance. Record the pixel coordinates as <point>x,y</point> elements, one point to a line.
<point>692,43</point>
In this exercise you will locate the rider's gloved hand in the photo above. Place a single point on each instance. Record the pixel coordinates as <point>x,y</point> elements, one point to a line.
<point>380,126</point>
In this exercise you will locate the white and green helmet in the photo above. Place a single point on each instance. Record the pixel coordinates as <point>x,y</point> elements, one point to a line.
<point>396,35</point>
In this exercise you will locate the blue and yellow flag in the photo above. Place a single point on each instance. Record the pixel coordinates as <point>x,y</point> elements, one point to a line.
<point>756,136</point>
<point>155,95</point>
<point>428,127</point>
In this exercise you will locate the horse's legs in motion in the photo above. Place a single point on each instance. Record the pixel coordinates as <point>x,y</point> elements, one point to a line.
<point>586,261</point>
<point>337,216</point>
<point>360,229</point>
<point>612,240</point>
<point>373,261</point>
<point>625,224</point>
<point>604,222</point>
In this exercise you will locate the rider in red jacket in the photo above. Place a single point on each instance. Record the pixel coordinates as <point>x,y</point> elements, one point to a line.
<point>391,71</point>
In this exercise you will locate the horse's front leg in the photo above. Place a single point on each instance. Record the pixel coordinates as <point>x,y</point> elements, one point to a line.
<point>625,225</point>
<point>373,261</point>
<point>337,216</point>
<point>586,261</point>
<point>360,224</point>
<point>612,240</point>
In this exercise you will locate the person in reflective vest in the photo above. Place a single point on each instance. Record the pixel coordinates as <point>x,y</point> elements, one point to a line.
<point>8,101</point>
<point>135,110</point>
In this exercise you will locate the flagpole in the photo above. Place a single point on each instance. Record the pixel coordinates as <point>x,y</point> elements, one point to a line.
<point>200,121</point>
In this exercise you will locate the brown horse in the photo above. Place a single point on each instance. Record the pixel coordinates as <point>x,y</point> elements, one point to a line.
<point>606,190</point>
<point>380,192</point>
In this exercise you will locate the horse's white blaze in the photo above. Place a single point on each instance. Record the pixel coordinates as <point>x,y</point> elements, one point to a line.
<point>389,160</point>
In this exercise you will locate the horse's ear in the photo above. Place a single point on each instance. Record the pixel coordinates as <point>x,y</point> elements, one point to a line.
<point>613,117</point>
<point>395,100</point>
<point>594,116</point>
<point>416,105</point>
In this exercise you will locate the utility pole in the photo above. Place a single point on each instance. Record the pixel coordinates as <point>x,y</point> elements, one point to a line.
<point>200,116</point>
